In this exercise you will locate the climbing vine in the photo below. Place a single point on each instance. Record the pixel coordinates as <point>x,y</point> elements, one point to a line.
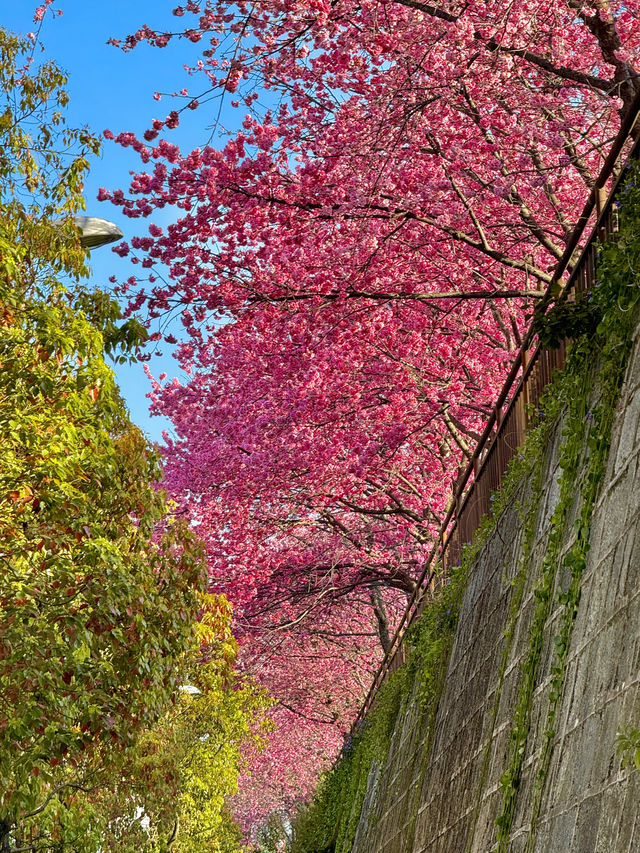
<point>569,460</point>
<point>628,746</point>
<point>600,352</point>
<point>601,322</point>
<point>330,821</point>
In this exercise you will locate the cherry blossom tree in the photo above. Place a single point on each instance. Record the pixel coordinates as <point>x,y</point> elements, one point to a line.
<point>353,269</point>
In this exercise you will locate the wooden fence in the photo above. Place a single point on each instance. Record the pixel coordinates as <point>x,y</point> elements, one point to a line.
<point>525,384</point>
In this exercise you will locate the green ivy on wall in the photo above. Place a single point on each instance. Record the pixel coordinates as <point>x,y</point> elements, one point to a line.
<point>329,823</point>
<point>597,359</point>
<point>585,394</point>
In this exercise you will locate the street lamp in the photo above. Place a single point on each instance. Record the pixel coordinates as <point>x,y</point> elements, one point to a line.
<point>95,232</point>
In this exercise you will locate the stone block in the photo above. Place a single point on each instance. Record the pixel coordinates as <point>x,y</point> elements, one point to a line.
<point>626,440</point>
<point>558,834</point>
<point>610,827</point>
<point>604,765</point>
<point>586,829</point>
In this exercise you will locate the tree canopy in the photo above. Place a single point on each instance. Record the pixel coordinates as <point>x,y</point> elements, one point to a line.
<point>354,268</point>
<point>104,613</point>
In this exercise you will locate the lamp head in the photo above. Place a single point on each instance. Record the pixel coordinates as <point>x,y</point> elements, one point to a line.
<point>95,232</point>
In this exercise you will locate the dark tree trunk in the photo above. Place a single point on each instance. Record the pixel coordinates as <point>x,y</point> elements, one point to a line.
<point>381,618</point>
<point>5,829</point>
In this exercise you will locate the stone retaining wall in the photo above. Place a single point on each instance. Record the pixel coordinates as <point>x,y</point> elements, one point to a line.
<point>439,791</point>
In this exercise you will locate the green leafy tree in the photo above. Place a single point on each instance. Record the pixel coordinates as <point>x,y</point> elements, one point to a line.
<point>100,588</point>
<point>175,792</point>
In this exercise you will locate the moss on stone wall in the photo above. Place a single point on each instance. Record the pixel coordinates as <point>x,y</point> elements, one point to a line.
<point>585,394</point>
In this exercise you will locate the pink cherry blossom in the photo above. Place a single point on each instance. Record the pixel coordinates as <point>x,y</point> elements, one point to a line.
<point>353,269</point>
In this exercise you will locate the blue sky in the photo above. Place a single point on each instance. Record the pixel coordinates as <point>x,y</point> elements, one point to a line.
<point>111,89</point>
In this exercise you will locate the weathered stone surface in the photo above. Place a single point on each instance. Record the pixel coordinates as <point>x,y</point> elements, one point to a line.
<point>446,801</point>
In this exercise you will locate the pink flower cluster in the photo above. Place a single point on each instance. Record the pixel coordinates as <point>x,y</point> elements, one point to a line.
<point>353,269</point>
